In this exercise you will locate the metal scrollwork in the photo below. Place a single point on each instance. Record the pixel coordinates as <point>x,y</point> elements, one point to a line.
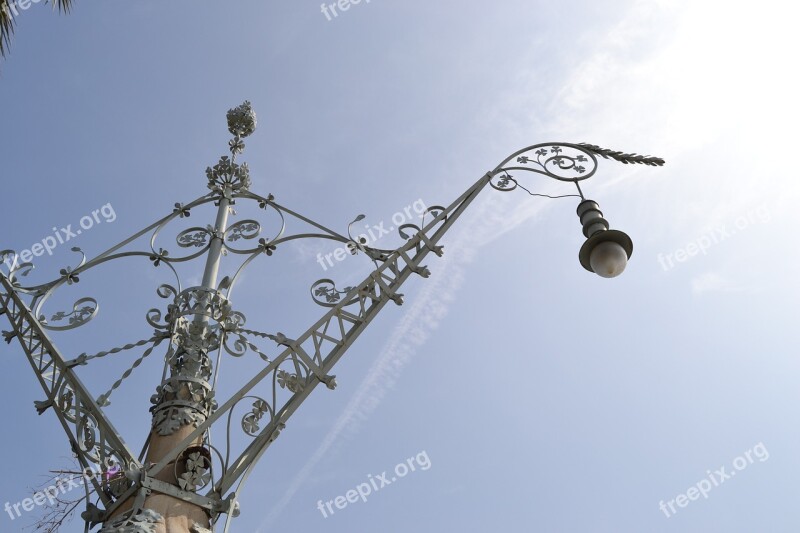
<point>417,231</point>
<point>242,230</point>
<point>563,162</point>
<point>559,161</point>
<point>165,291</point>
<point>154,317</point>
<point>8,258</point>
<point>239,347</point>
<point>245,229</point>
<point>251,421</point>
<point>65,402</point>
<point>15,268</point>
<point>196,238</point>
<point>502,181</point>
<point>325,293</point>
<point>408,236</point>
<point>88,435</point>
<point>193,237</point>
<point>434,211</point>
<point>234,331</point>
<point>83,311</point>
<point>90,439</point>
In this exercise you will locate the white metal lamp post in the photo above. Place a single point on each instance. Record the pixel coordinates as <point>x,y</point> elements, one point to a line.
<point>182,481</point>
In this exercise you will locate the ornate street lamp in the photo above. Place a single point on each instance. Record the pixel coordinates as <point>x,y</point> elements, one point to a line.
<point>605,252</point>
<point>183,481</point>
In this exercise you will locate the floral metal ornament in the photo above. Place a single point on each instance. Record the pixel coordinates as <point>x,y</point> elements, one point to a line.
<point>242,120</point>
<point>186,397</point>
<point>193,469</point>
<point>251,421</point>
<point>228,175</point>
<point>141,521</point>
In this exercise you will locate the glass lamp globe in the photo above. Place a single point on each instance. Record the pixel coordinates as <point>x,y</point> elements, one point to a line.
<point>608,259</point>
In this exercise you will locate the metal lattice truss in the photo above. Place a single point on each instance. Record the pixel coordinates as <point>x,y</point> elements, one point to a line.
<point>201,321</point>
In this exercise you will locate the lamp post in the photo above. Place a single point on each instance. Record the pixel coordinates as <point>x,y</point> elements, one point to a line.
<point>183,481</point>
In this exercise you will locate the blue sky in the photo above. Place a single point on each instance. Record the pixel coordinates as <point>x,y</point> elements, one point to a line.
<point>546,398</point>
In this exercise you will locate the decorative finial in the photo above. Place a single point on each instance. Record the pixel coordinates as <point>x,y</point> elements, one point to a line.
<point>227,174</point>
<point>242,120</point>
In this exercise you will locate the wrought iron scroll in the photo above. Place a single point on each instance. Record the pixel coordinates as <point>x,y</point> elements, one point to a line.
<point>94,440</point>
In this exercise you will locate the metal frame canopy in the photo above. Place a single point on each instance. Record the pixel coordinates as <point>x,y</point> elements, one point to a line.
<point>198,325</point>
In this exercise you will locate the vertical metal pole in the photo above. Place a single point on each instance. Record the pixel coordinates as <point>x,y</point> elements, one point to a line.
<point>215,249</point>
<point>185,399</point>
<point>194,364</point>
<point>179,515</point>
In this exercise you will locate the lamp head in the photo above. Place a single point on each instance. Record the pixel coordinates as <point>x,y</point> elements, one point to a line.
<point>606,253</point>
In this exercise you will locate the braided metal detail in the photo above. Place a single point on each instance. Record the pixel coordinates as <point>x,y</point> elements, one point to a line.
<point>85,358</point>
<point>622,157</point>
<point>103,400</point>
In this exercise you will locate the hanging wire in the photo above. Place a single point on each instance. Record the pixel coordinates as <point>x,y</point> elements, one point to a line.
<point>511,178</point>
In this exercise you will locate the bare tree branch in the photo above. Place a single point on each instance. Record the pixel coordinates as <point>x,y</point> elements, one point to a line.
<point>64,505</point>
